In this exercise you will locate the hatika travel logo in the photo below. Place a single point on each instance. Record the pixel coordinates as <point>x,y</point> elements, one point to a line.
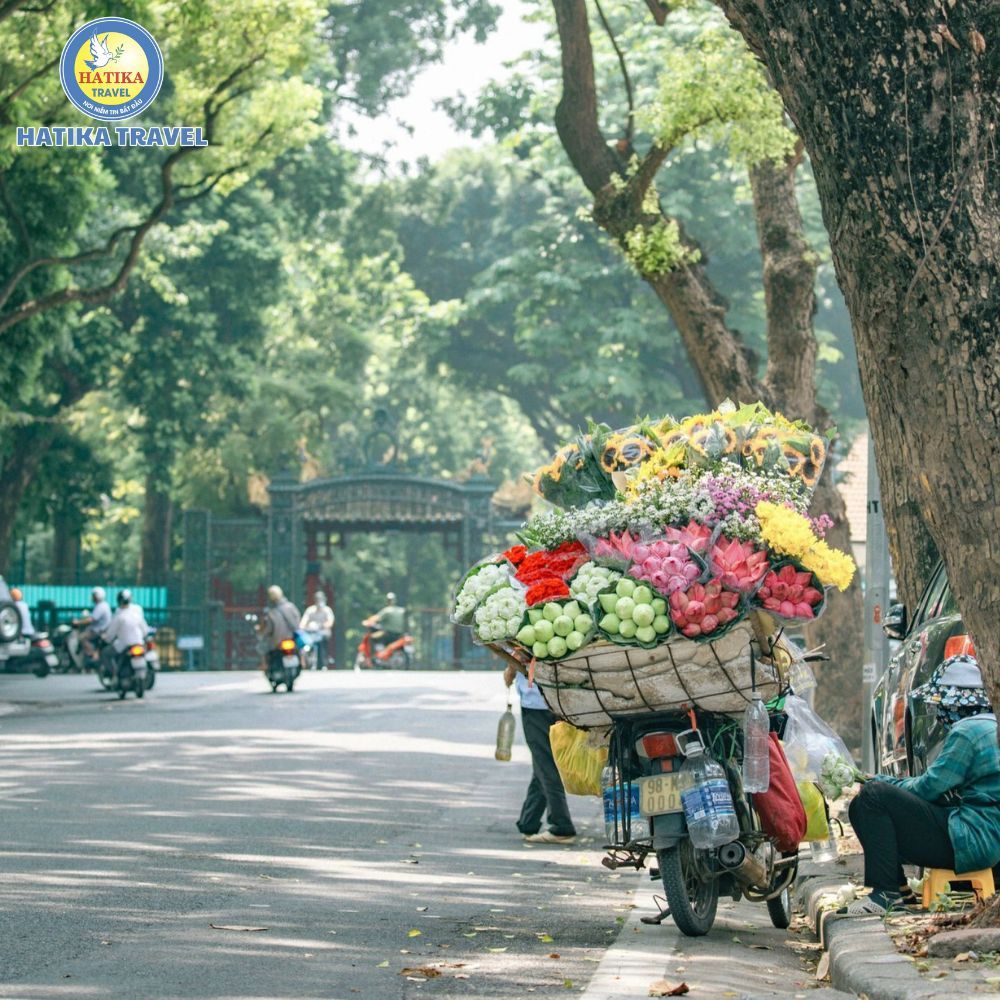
<point>111,69</point>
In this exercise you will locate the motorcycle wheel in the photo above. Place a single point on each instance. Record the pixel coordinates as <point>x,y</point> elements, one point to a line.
<point>274,687</point>
<point>140,690</point>
<point>150,678</point>
<point>779,909</point>
<point>290,686</point>
<point>104,679</point>
<point>692,899</point>
<point>41,671</point>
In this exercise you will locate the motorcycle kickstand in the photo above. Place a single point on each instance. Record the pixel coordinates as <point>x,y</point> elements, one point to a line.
<point>661,916</point>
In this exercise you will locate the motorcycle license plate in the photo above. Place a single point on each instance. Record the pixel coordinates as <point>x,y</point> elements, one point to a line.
<point>52,660</point>
<point>660,794</point>
<point>289,661</point>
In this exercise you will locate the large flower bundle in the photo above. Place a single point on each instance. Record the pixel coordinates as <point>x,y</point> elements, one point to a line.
<point>706,517</point>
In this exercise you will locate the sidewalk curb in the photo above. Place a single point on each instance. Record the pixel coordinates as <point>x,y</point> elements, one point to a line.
<point>863,959</point>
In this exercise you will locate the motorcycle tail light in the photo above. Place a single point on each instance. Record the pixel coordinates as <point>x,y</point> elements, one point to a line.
<point>150,644</point>
<point>653,746</point>
<point>137,650</point>
<point>287,645</point>
<point>959,644</point>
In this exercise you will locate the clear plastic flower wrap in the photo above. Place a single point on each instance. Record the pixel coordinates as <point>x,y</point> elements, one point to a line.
<point>808,740</point>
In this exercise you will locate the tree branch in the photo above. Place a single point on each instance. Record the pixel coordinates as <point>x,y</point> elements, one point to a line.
<point>630,117</point>
<point>94,295</point>
<point>6,101</point>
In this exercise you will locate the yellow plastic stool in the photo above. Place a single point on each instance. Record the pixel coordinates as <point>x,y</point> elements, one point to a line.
<point>934,883</point>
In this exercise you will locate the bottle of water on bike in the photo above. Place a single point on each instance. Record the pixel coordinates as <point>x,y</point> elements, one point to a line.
<point>708,802</point>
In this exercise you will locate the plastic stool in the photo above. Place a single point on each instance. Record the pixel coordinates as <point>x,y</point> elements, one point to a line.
<point>934,883</point>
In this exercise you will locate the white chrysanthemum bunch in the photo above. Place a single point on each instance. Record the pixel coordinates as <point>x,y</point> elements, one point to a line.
<point>477,586</point>
<point>499,616</point>
<point>590,580</point>
<point>836,775</point>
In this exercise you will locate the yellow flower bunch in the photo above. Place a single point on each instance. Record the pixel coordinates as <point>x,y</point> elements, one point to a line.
<point>785,531</point>
<point>662,465</point>
<point>789,533</point>
<point>831,566</point>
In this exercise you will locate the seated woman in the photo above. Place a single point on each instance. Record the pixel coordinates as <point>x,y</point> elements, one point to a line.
<point>949,816</point>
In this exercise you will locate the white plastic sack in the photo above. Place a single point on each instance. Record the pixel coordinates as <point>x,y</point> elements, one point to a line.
<point>808,739</point>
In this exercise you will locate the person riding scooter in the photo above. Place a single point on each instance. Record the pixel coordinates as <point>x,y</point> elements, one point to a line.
<point>391,621</point>
<point>27,626</point>
<point>128,628</point>
<point>279,621</point>
<point>317,624</point>
<point>90,627</point>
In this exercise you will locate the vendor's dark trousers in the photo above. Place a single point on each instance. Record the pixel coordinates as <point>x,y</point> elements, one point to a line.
<point>896,827</point>
<point>545,792</point>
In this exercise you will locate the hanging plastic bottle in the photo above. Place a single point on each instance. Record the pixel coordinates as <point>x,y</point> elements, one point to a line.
<point>505,733</point>
<point>756,750</point>
<point>611,794</point>
<point>708,802</point>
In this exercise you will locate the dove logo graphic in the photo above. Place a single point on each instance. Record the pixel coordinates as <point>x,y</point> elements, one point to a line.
<point>111,69</point>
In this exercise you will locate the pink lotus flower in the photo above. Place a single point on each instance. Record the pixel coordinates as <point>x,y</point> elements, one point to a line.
<point>703,608</point>
<point>667,565</point>
<point>615,547</point>
<point>790,593</point>
<point>694,535</point>
<point>739,565</point>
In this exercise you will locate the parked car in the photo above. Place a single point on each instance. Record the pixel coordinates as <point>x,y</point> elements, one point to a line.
<point>12,643</point>
<point>905,735</point>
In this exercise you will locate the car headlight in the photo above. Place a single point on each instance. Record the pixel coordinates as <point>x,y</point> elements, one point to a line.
<point>10,624</point>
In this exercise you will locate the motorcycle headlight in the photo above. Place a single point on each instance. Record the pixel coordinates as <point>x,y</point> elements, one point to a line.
<point>10,624</point>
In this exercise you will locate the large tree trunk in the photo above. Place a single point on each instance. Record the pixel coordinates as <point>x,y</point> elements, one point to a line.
<point>66,528</point>
<point>897,106</point>
<point>26,449</point>
<point>699,313</point>
<point>157,527</point>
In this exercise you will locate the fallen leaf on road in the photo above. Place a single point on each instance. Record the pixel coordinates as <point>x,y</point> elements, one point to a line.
<point>421,909</point>
<point>236,927</point>
<point>546,938</point>
<point>487,928</point>
<point>555,954</point>
<point>427,971</point>
<point>823,969</point>
<point>661,988</point>
<point>470,934</point>
<point>963,956</point>
<point>761,947</point>
<point>568,983</point>
<point>413,932</point>
<point>382,965</point>
<point>497,950</point>
<point>460,975</point>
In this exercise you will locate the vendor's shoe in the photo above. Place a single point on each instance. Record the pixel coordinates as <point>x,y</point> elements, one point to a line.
<point>548,837</point>
<point>878,904</point>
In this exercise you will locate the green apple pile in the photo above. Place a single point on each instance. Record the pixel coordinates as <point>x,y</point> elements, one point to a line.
<point>633,613</point>
<point>555,629</point>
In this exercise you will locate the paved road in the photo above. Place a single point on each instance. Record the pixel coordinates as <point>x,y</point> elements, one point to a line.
<point>361,824</point>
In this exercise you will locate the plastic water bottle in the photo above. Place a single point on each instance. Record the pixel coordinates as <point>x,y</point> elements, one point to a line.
<point>756,750</point>
<point>708,803</point>
<point>824,850</point>
<point>611,793</point>
<point>505,735</point>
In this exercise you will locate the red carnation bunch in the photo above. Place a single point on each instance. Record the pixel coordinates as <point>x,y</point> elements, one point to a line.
<point>559,564</point>
<point>549,589</point>
<point>515,555</point>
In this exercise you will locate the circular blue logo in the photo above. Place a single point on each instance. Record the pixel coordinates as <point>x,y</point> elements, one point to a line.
<point>111,69</point>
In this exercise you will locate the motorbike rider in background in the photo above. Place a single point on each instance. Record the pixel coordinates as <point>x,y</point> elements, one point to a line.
<point>317,623</point>
<point>391,620</point>
<point>27,627</point>
<point>128,627</point>
<point>95,623</point>
<point>279,621</point>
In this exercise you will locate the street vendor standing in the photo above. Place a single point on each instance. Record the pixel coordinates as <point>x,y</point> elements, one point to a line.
<point>947,817</point>
<point>546,793</point>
